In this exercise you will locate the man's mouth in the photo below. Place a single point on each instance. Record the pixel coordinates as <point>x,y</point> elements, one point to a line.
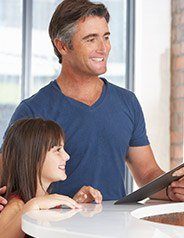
<point>97,59</point>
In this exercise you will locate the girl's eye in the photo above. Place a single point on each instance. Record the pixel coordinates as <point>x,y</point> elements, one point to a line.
<point>59,148</point>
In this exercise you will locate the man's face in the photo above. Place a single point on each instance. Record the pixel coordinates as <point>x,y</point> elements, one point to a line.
<point>91,46</point>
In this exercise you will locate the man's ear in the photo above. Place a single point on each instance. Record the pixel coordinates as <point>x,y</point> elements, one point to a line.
<point>61,47</point>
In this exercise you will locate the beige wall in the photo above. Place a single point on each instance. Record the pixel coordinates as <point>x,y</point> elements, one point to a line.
<point>177,83</point>
<point>152,72</point>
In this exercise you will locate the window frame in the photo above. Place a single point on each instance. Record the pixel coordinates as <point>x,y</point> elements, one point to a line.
<point>130,67</point>
<point>27,21</point>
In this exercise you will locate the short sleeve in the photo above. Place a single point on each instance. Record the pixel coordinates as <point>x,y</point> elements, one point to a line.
<point>21,112</point>
<point>139,135</point>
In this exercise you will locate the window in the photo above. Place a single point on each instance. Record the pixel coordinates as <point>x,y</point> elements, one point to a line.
<point>45,66</point>
<point>10,59</point>
<point>117,58</point>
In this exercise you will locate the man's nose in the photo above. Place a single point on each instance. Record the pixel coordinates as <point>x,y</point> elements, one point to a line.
<point>101,46</point>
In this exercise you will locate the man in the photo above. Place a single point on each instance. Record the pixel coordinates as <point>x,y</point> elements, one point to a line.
<point>104,124</point>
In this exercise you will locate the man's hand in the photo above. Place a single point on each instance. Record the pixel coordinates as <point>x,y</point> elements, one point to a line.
<point>88,194</point>
<point>3,201</point>
<point>176,188</point>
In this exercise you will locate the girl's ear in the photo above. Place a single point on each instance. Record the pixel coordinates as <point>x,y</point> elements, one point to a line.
<point>61,47</point>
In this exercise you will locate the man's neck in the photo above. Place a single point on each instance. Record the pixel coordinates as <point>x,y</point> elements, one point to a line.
<point>84,89</point>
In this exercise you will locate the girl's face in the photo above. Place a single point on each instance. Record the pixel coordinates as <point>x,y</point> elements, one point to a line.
<point>54,165</point>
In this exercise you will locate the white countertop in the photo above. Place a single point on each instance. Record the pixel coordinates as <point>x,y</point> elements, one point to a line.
<point>102,221</point>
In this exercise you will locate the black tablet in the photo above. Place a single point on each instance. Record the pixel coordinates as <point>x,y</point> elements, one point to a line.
<point>150,188</point>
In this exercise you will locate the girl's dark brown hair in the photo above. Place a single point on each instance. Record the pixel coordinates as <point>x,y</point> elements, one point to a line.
<point>24,149</point>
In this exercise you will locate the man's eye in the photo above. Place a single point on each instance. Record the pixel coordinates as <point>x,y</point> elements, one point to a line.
<point>91,40</point>
<point>106,37</point>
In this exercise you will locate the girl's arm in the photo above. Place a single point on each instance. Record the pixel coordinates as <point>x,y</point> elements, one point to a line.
<point>10,219</point>
<point>50,201</point>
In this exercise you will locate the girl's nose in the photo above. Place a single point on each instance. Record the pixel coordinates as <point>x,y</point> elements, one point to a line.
<point>66,156</point>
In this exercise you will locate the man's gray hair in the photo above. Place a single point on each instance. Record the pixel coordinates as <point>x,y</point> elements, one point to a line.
<point>65,35</point>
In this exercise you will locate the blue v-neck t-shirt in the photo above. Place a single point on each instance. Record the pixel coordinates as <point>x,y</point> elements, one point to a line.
<point>97,136</point>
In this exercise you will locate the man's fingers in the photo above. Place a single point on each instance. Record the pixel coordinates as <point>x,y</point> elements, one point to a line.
<point>177,190</point>
<point>177,195</point>
<point>178,184</point>
<point>179,172</point>
<point>180,197</point>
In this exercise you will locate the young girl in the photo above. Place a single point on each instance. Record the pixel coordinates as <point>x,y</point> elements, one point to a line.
<point>34,157</point>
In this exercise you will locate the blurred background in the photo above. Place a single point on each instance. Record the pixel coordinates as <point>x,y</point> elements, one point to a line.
<point>147,57</point>
<point>27,59</point>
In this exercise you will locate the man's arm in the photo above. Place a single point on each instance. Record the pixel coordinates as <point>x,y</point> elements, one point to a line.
<point>142,164</point>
